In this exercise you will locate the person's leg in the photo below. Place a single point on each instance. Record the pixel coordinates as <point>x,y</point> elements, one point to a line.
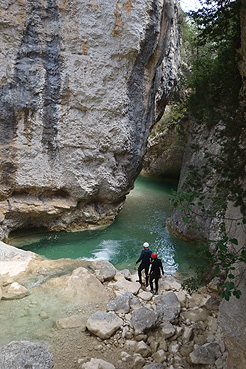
<point>156,284</point>
<point>146,274</point>
<point>140,268</point>
<point>151,283</point>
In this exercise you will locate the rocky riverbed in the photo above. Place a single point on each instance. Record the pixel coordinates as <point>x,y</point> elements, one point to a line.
<point>90,315</point>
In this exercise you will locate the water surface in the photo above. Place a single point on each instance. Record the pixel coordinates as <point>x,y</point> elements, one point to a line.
<point>143,218</point>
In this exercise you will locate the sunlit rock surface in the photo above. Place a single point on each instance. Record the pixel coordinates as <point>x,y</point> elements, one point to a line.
<point>81,83</point>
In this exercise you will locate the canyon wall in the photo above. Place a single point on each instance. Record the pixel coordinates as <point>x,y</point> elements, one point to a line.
<point>81,84</point>
<point>206,143</point>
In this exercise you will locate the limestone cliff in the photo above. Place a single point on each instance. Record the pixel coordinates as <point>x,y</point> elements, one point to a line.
<point>206,143</point>
<point>81,85</point>
<point>166,146</point>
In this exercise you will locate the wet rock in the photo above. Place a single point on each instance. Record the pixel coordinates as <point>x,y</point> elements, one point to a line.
<point>43,315</point>
<point>25,354</point>
<point>103,324</point>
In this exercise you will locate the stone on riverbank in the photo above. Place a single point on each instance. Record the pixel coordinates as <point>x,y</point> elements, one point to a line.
<point>25,354</point>
<point>103,324</point>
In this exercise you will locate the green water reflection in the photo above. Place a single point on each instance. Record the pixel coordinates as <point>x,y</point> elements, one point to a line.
<point>143,218</point>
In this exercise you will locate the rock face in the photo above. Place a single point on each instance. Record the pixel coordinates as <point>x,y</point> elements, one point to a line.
<point>202,143</point>
<point>165,148</point>
<point>82,83</point>
<point>25,354</point>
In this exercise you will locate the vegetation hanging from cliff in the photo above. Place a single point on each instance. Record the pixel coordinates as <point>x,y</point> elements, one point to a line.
<point>213,82</point>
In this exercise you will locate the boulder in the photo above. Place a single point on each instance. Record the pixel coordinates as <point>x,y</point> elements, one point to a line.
<point>143,319</point>
<point>167,330</point>
<point>146,296</point>
<point>25,354</point>
<point>97,364</point>
<point>138,361</point>
<point>196,314</point>
<point>142,349</point>
<point>81,285</point>
<point>206,354</point>
<point>120,304</point>
<point>168,307</point>
<point>122,285</point>
<point>73,321</point>
<point>14,291</point>
<point>126,273</point>
<point>103,324</point>
<point>159,356</point>
<point>104,270</point>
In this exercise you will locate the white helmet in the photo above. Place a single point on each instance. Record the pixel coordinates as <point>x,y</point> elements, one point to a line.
<point>145,244</point>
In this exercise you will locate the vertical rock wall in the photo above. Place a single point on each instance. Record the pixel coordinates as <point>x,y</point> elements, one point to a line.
<point>203,140</point>
<point>81,84</point>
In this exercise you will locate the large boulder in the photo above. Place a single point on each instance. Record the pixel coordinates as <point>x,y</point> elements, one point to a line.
<point>82,83</point>
<point>104,270</point>
<point>103,324</point>
<point>121,304</point>
<point>24,354</point>
<point>14,291</point>
<point>81,285</point>
<point>168,307</point>
<point>206,354</point>
<point>143,319</point>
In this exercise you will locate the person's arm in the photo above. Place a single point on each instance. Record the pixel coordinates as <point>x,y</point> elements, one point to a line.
<point>161,266</point>
<point>139,258</point>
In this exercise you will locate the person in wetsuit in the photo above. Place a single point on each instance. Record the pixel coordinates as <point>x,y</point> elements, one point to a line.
<point>145,263</point>
<point>155,272</point>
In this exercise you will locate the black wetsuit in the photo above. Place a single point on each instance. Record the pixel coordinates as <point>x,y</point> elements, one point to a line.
<point>145,263</point>
<point>155,273</point>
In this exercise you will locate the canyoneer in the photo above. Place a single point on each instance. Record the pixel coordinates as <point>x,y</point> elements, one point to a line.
<point>155,272</point>
<point>145,258</point>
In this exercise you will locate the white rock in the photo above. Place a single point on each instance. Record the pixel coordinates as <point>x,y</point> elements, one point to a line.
<point>73,321</point>
<point>103,324</point>
<point>98,364</point>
